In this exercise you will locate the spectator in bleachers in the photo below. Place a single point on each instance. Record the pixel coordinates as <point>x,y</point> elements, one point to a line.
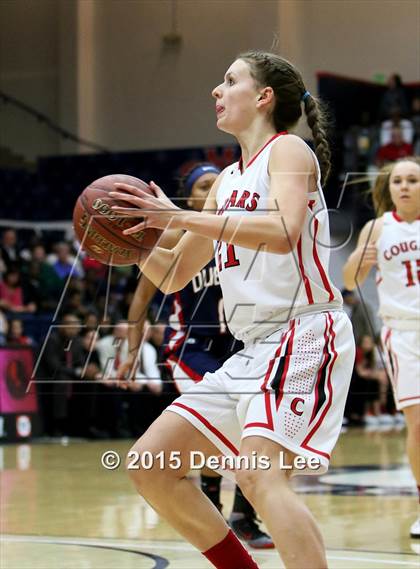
<point>93,412</point>
<point>62,355</point>
<point>40,281</point>
<point>91,322</point>
<point>415,119</point>
<point>63,262</point>
<point>11,293</point>
<point>142,403</point>
<point>394,96</point>
<point>360,142</point>
<point>16,336</point>
<point>395,150</point>
<point>97,268</point>
<point>396,120</point>
<point>94,286</point>
<point>10,252</point>
<point>74,304</point>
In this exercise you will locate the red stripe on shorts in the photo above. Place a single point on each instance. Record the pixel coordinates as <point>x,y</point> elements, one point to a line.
<point>329,402</point>
<point>286,366</point>
<point>210,427</point>
<point>321,369</point>
<point>269,424</point>
<point>276,355</point>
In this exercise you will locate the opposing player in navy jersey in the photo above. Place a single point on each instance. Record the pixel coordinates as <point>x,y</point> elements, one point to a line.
<point>391,242</point>
<point>283,395</point>
<point>196,342</point>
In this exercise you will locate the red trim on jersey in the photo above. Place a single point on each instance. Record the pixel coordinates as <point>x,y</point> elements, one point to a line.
<point>286,366</point>
<point>318,263</point>
<point>276,355</point>
<point>330,391</point>
<point>269,424</point>
<point>408,398</point>
<point>399,218</point>
<point>320,370</point>
<point>303,274</point>
<point>210,427</point>
<point>185,368</point>
<point>241,162</point>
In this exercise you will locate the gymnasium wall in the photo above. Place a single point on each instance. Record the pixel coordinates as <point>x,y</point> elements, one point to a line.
<point>101,68</point>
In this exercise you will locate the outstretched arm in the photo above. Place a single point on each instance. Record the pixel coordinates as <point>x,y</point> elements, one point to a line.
<point>171,267</point>
<point>291,169</point>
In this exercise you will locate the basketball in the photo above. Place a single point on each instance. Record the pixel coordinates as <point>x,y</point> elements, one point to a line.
<point>100,230</point>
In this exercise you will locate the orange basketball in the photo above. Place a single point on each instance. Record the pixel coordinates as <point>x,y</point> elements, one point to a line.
<point>99,229</point>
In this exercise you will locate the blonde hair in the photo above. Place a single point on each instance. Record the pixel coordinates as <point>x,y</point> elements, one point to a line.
<point>381,195</point>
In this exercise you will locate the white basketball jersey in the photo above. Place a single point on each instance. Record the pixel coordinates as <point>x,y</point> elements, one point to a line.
<point>261,290</point>
<point>398,279</point>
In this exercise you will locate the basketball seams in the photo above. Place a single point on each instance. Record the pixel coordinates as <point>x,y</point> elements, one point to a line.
<point>97,218</point>
<point>102,239</point>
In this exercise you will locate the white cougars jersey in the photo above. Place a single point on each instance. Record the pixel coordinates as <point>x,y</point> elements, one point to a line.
<point>261,290</point>
<point>398,279</point>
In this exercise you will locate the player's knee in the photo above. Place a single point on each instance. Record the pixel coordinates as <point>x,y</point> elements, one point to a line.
<point>147,469</point>
<point>248,481</point>
<point>142,475</point>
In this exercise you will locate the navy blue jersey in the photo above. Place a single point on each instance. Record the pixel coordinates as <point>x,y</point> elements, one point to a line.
<point>197,306</point>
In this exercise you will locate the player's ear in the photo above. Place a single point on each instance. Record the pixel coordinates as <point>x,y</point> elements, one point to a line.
<point>265,96</point>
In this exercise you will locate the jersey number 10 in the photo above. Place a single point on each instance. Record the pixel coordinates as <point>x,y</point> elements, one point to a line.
<point>410,268</point>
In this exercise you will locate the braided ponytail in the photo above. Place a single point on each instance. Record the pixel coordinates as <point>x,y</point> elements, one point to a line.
<point>282,76</point>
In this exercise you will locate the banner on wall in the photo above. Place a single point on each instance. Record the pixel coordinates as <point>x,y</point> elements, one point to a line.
<point>18,402</point>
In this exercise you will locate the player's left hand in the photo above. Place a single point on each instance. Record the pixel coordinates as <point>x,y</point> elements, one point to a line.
<point>157,211</point>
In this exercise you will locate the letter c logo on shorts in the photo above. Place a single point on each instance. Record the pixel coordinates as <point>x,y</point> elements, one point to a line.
<point>294,404</point>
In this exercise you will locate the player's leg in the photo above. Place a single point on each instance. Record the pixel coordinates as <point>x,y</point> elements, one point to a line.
<point>289,521</point>
<point>188,365</point>
<point>176,498</point>
<point>412,418</point>
<point>299,415</point>
<point>165,485</point>
<point>401,351</point>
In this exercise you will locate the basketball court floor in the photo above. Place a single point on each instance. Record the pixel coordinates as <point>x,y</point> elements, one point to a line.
<point>60,508</point>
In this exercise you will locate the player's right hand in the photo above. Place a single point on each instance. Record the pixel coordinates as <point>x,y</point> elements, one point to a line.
<point>369,255</point>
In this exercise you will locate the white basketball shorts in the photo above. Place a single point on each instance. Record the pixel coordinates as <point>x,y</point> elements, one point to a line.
<point>290,387</point>
<point>402,359</point>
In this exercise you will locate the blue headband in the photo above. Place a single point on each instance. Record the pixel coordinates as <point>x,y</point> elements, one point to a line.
<point>305,95</point>
<point>197,172</point>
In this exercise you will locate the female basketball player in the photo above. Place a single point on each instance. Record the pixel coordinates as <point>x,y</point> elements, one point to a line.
<point>283,395</point>
<point>391,242</point>
<point>193,340</point>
